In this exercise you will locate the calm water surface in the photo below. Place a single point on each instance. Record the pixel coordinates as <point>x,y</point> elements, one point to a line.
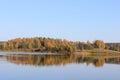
<point>29,66</point>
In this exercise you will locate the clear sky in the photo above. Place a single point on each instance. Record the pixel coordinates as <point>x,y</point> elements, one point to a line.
<point>76,20</point>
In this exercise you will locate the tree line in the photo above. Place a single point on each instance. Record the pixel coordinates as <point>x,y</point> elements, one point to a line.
<point>39,44</point>
<point>89,46</point>
<point>43,44</point>
<point>113,46</point>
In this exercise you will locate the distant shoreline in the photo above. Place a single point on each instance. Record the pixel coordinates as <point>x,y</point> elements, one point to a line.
<point>85,52</point>
<point>42,44</point>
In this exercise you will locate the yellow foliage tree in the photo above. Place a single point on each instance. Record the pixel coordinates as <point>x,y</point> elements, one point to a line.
<point>99,44</point>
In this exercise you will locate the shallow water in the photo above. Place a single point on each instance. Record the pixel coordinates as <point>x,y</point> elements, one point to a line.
<point>56,67</point>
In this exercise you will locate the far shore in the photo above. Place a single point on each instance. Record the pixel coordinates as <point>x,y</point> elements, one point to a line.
<point>101,52</point>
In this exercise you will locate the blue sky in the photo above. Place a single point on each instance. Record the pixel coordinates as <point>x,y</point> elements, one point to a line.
<point>76,20</point>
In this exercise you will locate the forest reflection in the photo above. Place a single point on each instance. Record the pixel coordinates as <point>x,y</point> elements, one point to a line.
<point>57,60</point>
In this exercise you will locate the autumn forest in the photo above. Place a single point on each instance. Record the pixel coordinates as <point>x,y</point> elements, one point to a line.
<point>42,44</point>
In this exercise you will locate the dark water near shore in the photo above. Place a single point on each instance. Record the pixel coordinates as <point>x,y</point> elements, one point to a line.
<point>37,66</point>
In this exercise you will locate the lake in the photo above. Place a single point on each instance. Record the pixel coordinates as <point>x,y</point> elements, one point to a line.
<point>42,66</point>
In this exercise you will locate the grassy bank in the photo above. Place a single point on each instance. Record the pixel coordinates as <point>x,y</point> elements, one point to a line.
<point>98,52</point>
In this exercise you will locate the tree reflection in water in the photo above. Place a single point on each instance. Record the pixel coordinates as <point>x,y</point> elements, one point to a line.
<point>55,59</point>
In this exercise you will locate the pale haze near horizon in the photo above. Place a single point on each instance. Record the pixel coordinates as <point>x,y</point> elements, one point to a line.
<point>76,20</point>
